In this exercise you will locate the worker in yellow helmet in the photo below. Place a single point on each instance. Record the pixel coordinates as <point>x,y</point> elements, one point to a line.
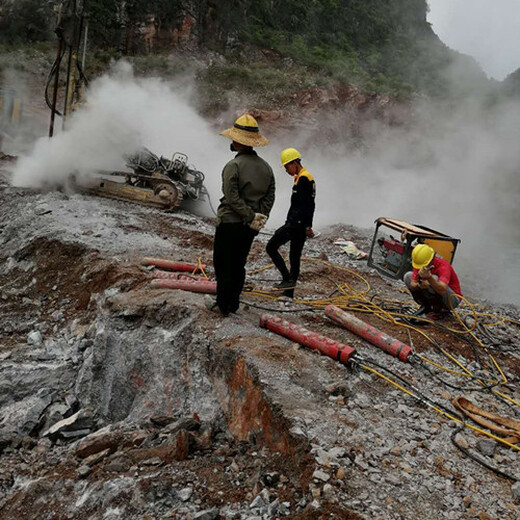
<point>433,283</point>
<point>248,188</point>
<point>298,225</point>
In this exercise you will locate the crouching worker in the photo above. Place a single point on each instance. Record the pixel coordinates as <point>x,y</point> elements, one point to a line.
<point>433,283</point>
<point>298,225</point>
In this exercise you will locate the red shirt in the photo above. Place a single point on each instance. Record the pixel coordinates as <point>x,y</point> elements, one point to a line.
<point>445,272</point>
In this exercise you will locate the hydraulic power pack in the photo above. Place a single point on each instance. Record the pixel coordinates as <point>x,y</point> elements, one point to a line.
<point>394,240</point>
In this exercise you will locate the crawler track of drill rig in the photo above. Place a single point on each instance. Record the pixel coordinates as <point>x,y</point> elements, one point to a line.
<point>154,181</point>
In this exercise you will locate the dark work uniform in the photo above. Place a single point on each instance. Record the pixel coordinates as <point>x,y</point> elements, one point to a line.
<point>248,186</point>
<point>299,219</point>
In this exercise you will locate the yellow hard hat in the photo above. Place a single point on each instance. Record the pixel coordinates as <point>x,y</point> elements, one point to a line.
<point>247,122</point>
<point>422,255</point>
<point>246,131</point>
<point>288,155</point>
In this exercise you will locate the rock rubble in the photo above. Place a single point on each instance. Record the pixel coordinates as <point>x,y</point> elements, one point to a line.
<point>118,401</point>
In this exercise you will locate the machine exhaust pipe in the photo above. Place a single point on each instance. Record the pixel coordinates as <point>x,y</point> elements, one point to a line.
<point>307,338</point>
<point>378,338</point>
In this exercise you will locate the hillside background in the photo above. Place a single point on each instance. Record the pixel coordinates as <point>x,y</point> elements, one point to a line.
<point>265,49</point>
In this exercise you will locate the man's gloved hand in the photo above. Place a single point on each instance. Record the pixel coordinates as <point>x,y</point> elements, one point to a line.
<point>258,222</point>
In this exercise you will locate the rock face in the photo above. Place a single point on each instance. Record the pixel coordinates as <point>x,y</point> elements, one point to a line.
<point>147,357</point>
<point>30,382</point>
<point>131,402</point>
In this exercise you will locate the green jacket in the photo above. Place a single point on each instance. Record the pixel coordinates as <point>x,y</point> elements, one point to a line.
<point>248,187</point>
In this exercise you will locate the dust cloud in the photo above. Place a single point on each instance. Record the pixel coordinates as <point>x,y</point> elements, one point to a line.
<point>455,168</point>
<point>122,114</point>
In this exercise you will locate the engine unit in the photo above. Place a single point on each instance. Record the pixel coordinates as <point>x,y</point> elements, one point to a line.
<point>393,241</point>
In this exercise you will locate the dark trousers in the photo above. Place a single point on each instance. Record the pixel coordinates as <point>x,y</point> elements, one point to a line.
<point>231,247</point>
<point>296,234</point>
<point>429,299</point>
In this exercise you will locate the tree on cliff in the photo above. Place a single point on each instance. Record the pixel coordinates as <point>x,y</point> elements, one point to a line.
<point>376,44</point>
<point>25,20</point>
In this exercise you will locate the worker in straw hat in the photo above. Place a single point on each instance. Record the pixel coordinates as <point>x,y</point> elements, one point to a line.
<point>248,187</point>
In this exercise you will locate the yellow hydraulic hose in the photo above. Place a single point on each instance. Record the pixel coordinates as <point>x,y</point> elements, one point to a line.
<point>442,412</point>
<point>200,268</point>
<point>352,299</point>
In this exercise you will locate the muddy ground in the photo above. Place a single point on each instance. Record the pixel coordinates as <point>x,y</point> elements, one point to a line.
<point>121,401</point>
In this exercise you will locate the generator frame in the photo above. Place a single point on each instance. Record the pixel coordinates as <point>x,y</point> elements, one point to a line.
<point>443,245</point>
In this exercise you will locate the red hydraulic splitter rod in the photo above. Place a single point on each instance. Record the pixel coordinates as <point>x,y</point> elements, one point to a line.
<point>378,338</point>
<point>171,265</point>
<point>199,286</point>
<point>307,338</point>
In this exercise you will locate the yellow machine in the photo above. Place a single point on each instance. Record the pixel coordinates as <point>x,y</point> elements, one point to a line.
<point>390,253</point>
<point>151,180</point>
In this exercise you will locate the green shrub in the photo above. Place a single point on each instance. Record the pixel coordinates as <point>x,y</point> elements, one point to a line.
<point>24,21</point>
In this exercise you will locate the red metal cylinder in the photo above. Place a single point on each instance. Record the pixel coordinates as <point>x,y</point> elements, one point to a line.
<point>307,338</point>
<point>208,287</point>
<point>171,265</point>
<point>378,338</point>
<point>167,275</point>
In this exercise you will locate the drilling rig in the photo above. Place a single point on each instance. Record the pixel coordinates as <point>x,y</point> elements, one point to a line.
<point>151,179</point>
<point>72,33</point>
<point>154,181</point>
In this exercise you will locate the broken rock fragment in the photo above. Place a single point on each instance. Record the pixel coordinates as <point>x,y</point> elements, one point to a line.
<point>191,423</point>
<point>209,514</point>
<point>179,450</point>
<point>162,420</point>
<point>103,440</point>
<point>35,338</point>
<point>341,389</point>
<point>94,459</point>
<point>76,425</point>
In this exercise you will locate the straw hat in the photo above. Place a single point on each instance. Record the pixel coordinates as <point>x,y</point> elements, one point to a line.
<point>245,131</point>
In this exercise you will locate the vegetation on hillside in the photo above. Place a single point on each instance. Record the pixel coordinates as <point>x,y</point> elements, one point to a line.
<point>25,21</point>
<point>378,45</point>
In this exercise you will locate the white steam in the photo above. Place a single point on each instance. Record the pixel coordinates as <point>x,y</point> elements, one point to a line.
<point>492,36</point>
<point>455,169</point>
<point>121,115</point>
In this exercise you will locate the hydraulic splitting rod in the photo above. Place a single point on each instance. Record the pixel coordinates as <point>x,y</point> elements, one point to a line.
<point>208,287</point>
<point>378,338</point>
<point>346,354</point>
<point>327,346</point>
<point>171,265</point>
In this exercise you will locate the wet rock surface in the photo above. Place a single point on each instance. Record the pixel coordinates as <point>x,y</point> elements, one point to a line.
<point>118,401</point>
